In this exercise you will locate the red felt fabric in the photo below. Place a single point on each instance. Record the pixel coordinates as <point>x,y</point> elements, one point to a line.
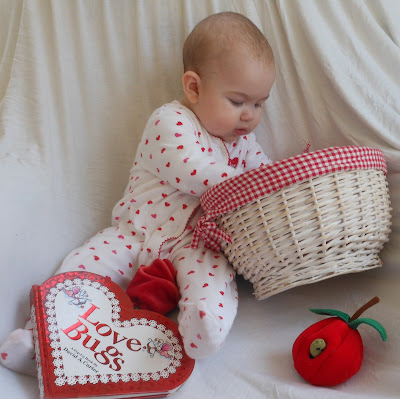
<point>341,358</point>
<point>154,287</point>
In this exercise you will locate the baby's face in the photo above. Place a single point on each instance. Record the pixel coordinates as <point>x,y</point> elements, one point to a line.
<point>231,98</point>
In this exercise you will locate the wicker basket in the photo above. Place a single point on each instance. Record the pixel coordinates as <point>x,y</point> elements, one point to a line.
<point>313,225</point>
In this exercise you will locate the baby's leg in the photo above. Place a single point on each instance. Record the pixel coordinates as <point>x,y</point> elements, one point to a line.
<point>209,299</point>
<point>112,252</point>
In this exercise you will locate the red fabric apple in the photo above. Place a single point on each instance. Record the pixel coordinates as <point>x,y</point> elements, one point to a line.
<point>331,351</point>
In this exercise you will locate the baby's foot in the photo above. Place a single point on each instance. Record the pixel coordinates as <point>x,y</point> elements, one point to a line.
<point>203,333</point>
<point>17,352</point>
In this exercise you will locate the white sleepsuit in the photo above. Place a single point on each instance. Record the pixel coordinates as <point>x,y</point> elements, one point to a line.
<point>176,162</point>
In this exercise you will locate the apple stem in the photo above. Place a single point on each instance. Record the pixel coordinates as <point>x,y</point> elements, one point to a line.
<point>363,308</point>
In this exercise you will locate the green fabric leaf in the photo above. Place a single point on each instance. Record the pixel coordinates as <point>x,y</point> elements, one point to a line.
<point>378,326</point>
<point>332,312</point>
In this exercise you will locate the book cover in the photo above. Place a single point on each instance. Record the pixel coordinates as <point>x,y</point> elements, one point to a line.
<point>91,343</point>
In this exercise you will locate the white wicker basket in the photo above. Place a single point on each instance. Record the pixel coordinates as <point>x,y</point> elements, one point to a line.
<point>314,226</point>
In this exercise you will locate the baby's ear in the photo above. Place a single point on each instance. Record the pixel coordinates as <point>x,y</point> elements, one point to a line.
<point>190,83</point>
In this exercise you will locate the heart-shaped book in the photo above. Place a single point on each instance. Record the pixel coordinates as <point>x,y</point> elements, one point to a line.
<point>91,343</point>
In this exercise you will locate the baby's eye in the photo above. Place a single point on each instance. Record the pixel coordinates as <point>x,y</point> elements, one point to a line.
<point>236,103</point>
<point>259,105</point>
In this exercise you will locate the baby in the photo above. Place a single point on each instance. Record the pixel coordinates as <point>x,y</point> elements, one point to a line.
<point>187,147</point>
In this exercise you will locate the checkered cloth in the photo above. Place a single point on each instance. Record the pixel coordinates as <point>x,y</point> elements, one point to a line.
<point>248,187</point>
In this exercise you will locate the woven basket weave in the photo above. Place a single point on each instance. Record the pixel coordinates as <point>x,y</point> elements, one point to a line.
<point>311,230</point>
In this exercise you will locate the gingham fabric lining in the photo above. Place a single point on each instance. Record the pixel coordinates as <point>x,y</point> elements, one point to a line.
<point>246,188</point>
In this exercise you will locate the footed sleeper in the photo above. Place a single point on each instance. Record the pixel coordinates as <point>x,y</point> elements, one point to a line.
<point>176,162</point>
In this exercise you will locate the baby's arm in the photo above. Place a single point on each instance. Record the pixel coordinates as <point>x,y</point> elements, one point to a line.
<point>255,155</point>
<point>171,150</point>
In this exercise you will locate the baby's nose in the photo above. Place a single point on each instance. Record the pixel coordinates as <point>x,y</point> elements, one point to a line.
<point>247,114</point>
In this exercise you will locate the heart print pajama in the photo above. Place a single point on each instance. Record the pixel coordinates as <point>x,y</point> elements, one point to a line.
<point>176,162</point>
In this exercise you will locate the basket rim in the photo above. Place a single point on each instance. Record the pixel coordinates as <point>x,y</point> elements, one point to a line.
<point>249,186</point>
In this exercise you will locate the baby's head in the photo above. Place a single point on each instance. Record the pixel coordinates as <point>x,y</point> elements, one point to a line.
<point>217,36</point>
<point>228,73</point>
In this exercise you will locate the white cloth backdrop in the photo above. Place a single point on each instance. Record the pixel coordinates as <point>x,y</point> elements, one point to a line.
<point>78,80</point>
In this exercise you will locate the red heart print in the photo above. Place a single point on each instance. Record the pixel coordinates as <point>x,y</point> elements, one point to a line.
<point>177,179</point>
<point>167,204</point>
<point>205,285</point>
<point>179,124</point>
<point>178,134</point>
<point>4,355</point>
<point>129,246</point>
<point>162,150</point>
<point>224,175</point>
<point>158,137</point>
<point>81,267</point>
<point>202,313</point>
<point>233,162</point>
<point>198,336</point>
<point>193,345</point>
<point>153,215</point>
<point>194,172</point>
<point>157,122</point>
<point>96,257</point>
<point>205,182</point>
<point>180,147</point>
<point>168,165</point>
<point>185,160</point>
<point>221,305</point>
<point>184,206</point>
<point>121,237</point>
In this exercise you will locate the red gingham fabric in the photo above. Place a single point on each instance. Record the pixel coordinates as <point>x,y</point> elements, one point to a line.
<point>247,187</point>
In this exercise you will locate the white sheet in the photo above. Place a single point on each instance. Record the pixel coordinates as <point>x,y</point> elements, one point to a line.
<point>78,80</point>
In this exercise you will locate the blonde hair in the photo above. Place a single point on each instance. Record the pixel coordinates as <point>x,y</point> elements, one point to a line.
<point>219,34</point>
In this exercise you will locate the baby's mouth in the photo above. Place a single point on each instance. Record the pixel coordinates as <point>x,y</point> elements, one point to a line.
<point>240,132</point>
